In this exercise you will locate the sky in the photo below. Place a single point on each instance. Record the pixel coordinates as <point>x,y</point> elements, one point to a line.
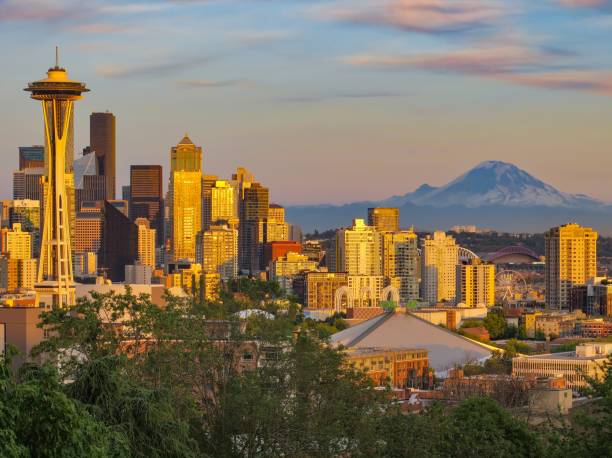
<point>327,101</point>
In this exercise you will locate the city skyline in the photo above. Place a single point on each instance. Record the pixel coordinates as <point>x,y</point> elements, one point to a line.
<point>283,88</point>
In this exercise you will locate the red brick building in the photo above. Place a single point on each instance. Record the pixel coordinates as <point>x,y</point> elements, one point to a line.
<point>276,249</point>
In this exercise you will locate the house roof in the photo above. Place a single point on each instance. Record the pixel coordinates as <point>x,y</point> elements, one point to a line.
<point>404,330</point>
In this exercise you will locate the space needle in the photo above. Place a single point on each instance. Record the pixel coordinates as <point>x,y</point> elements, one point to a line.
<point>55,282</point>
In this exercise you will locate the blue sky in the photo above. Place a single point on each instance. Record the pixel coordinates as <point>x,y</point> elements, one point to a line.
<point>328,100</point>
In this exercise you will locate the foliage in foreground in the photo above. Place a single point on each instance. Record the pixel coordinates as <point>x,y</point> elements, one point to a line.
<point>164,384</point>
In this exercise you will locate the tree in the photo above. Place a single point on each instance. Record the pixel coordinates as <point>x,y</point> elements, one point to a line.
<point>495,324</point>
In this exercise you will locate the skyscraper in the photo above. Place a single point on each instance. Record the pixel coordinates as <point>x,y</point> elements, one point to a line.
<point>146,242</point>
<point>218,251</point>
<point>146,197</point>
<point>119,245</point>
<point>571,259</point>
<point>55,285</point>
<point>254,204</point>
<point>401,263</point>
<point>31,157</point>
<point>358,250</point>
<point>476,284</point>
<point>223,205</point>
<point>440,257</point>
<point>185,196</point>
<point>102,142</point>
<point>384,219</point>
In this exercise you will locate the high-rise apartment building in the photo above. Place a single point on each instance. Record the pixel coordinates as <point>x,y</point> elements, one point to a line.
<point>218,251</point>
<point>384,219</point>
<point>358,250</point>
<point>440,257</point>
<point>571,259</point>
<point>476,284</point>
<point>17,244</point>
<point>102,142</point>
<point>185,196</point>
<point>31,157</point>
<point>254,204</point>
<point>146,242</point>
<point>146,197</point>
<point>401,263</point>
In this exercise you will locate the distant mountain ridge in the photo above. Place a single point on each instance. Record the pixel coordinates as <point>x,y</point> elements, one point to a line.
<point>493,183</point>
<point>493,194</point>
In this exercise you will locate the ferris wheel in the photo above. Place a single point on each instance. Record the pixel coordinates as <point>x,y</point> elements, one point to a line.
<point>510,286</point>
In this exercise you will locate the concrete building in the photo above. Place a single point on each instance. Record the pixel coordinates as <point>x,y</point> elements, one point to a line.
<point>31,157</point>
<point>571,259</point>
<point>86,265</point>
<point>476,284</point>
<point>439,259</point>
<point>557,324</point>
<point>217,251</point>
<point>285,268</point>
<point>276,229</point>
<point>28,184</point>
<point>17,244</point>
<point>320,288</point>
<point>400,263</point>
<point>253,211</point>
<point>595,328</point>
<point>138,274</point>
<point>276,249</point>
<point>88,233</point>
<point>575,367</point>
<point>365,290</point>
<point>19,327</point>
<point>384,219</point>
<point>359,250</point>
<point>146,242</point>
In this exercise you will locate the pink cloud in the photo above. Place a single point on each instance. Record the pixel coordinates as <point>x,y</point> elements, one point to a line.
<point>510,64</point>
<point>420,15</point>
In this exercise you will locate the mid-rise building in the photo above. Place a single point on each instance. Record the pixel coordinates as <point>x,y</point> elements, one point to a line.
<point>476,284</point>
<point>285,268</point>
<point>86,265</point>
<point>439,259</point>
<point>400,261</point>
<point>218,251</point>
<point>320,288</point>
<point>365,290</point>
<point>274,250</point>
<point>146,243</point>
<point>576,367</point>
<point>358,250</point>
<point>138,274</point>
<point>397,367</point>
<point>594,298</point>
<point>185,196</point>
<point>102,143</point>
<point>276,229</point>
<point>146,197</point>
<point>571,259</point>
<point>384,219</point>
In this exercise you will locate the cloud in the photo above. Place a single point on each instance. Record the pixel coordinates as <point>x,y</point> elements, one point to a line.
<point>511,64</point>
<point>98,28</point>
<point>340,96</point>
<point>586,3</point>
<point>429,16</point>
<point>57,10</point>
<point>263,36</point>
<point>208,84</point>
<point>160,68</point>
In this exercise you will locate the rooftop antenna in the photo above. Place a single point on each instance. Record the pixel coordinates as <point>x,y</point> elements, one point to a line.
<point>57,57</point>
